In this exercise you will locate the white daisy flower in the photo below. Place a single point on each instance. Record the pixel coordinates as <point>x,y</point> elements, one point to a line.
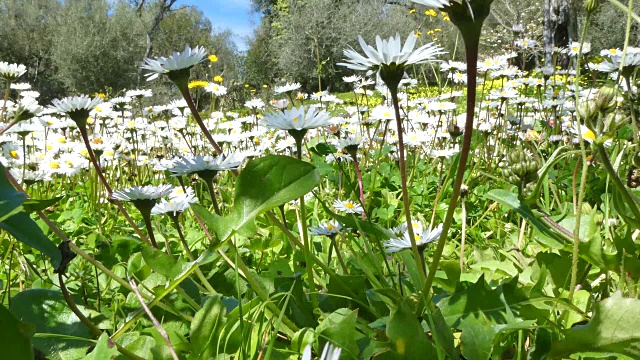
<point>77,107</point>
<point>390,51</point>
<point>329,352</point>
<point>348,206</point>
<point>297,119</point>
<point>178,61</point>
<point>199,163</point>
<point>328,228</point>
<point>438,4</point>
<point>148,192</point>
<point>11,72</point>
<point>286,88</point>
<point>422,239</point>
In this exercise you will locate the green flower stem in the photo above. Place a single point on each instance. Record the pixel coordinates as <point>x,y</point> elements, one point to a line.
<point>403,181</point>
<point>196,115</point>
<point>634,122</point>
<point>471,41</point>
<point>212,192</point>
<point>146,216</point>
<point>305,235</point>
<point>96,165</point>
<point>199,273</point>
<point>583,178</point>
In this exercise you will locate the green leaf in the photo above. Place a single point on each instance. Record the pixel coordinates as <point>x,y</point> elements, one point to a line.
<point>477,300</point>
<point>263,184</point>
<point>407,336</point>
<point>10,198</point>
<point>613,329</point>
<point>206,326</point>
<point>162,263</point>
<point>47,310</point>
<point>477,338</point>
<point>33,205</point>
<point>105,349</point>
<point>510,200</point>
<point>25,230</point>
<point>340,328</point>
<point>16,337</point>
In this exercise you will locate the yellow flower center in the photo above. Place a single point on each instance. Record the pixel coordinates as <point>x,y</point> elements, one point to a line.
<point>589,135</point>
<point>62,140</point>
<point>54,165</point>
<point>13,154</point>
<point>349,205</point>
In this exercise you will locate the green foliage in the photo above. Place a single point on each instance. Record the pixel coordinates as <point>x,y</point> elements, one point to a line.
<point>105,349</point>
<point>16,336</point>
<point>612,330</point>
<point>19,224</point>
<point>206,328</point>
<point>47,311</point>
<point>264,184</point>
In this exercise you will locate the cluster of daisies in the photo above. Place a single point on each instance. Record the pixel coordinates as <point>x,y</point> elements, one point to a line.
<point>129,133</point>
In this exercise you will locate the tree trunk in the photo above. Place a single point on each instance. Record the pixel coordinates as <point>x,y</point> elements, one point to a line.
<point>163,7</point>
<point>560,28</point>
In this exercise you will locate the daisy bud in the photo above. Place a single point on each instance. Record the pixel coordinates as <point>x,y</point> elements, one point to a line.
<point>606,99</point>
<point>591,5</point>
<point>587,111</point>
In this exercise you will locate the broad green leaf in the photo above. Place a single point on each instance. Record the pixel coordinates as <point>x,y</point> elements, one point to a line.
<point>140,345</point>
<point>340,328</point>
<point>162,263</point>
<point>477,338</point>
<point>25,230</point>
<point>10,198</point>
<point>263,184</point>
<point>408,339</point>
<point>476,301</point>
<point>16,337</point>
<point>47,310</point>
<point>613,329</point>
<point>206,326</point>
<point>105,349</point>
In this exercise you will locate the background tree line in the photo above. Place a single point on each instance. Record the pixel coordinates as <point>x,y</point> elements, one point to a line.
<point>86,46</point>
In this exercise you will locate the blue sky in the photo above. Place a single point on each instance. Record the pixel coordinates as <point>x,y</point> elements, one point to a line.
<point>229,14</point>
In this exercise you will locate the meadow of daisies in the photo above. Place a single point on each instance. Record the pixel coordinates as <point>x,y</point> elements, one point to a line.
<point>491,216</point>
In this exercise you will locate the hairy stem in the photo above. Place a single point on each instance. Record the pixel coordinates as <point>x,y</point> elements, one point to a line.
<point>471,41</point>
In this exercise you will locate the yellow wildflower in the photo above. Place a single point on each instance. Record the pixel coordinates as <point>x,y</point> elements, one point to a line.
<point>198,84</point>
